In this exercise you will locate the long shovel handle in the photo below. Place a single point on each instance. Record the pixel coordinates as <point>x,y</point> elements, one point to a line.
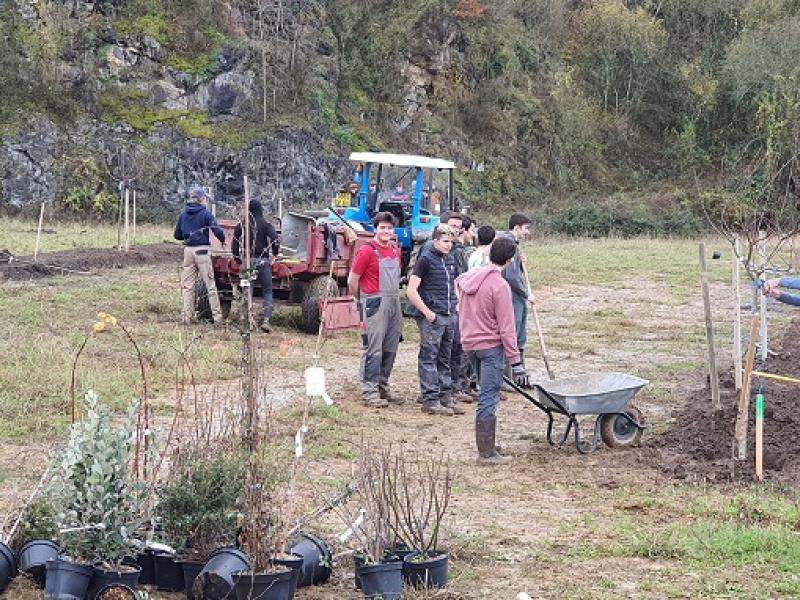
<point>539,329</point>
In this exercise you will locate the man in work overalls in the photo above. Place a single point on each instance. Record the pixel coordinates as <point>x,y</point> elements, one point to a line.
<point>375,280</point>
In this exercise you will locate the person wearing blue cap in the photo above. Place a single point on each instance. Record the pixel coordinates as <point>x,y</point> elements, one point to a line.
<point>192,229</point>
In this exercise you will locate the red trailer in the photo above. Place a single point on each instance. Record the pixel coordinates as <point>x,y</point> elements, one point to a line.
<point>313,265</point>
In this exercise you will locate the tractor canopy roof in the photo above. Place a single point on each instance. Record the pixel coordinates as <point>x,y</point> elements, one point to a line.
<point>402,160</point>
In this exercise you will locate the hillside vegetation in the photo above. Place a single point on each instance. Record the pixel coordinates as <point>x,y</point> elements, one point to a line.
<point>604,115</point>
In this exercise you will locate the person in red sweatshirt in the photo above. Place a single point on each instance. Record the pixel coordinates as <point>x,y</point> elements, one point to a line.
<point>488,334</point>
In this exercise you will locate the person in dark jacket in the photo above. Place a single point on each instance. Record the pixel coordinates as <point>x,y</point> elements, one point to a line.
<point>431,289</point>
<point>264,247</point>
<point>192,229</point>
<point>514,274</point>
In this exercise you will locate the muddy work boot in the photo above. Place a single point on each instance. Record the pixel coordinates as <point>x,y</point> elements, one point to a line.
<point>467,397</point>
<point>385,394</point>
<point>484,439</point>
<point>374,402</point>
<point>265,326</point>
<point>436,408</point>
<point>453,405</point>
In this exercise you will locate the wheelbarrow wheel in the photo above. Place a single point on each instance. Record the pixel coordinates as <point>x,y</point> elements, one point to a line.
<point>618,432</point>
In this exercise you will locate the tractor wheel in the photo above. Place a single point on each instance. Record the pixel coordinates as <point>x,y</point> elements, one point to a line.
<point>319,287</point>
<point>202,307</point>
<point>618,432</point>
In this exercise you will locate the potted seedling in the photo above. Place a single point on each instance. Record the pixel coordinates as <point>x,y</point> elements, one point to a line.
<point>369,532</point>
<point>38,529</point>
<point>96,503</point>
<point>272,573</point>
<point>198,506</point>
<point>418,489</point>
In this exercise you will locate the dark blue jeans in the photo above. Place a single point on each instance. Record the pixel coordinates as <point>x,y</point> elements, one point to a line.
<point>488,366</point>
<point>265,281</point>
<point>435,348</point>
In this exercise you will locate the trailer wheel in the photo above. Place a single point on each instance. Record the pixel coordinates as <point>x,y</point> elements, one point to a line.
<point>618,432</point>
<point>202,307</point>
<point>319,287</point>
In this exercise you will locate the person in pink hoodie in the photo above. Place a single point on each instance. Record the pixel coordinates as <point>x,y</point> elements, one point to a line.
<point>488,335</point>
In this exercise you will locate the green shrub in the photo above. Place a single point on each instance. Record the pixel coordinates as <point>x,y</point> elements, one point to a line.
<point>95,500</point>
<point>587,220</point>
<point>39,522</point>
<point>198,506</point>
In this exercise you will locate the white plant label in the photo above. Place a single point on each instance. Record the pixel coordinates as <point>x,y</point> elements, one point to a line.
<point>355,525</point>
<point>244,283</point>
<point>298,440</point>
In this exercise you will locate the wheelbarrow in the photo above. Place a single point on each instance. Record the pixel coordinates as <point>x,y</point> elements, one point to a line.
<point>607,395</point>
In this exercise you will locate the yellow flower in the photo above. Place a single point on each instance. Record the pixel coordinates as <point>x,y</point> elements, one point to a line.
<point>99,327</point>
<point>110,319</point>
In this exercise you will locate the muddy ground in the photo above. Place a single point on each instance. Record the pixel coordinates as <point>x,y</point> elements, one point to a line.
<point>699,445</point>
<point>84,261</point>
<point>515,528</point>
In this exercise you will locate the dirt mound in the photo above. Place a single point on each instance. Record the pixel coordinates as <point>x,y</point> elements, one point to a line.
<point>700,443</point>
<point>84,260</point>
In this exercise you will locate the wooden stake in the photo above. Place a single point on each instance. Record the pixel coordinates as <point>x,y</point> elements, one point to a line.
<point>744,394</point>
<point>252,368</point>
<point>38,234</point>
<point>127,219</point>
<point>133,240</point>
<point>737,317</point>
<point>762,299</point>
<point>712,356</point>
<point>760,437</point>
<point>119,213</point>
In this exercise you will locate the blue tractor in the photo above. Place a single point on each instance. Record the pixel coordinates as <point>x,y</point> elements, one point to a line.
<point>415,189</point>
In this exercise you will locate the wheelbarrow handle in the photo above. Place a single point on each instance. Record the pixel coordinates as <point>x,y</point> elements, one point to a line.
<point>535,386</point>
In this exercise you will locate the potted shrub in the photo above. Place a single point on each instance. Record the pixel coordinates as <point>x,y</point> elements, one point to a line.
<point>370,532</point>
<point>272,573</point>
<point>38,529</point>
<point>96,503</point>
<point>199,505</point>
<point>419,490</point>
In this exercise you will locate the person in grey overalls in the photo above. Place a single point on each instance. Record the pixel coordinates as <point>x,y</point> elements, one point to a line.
<point>375,280</point>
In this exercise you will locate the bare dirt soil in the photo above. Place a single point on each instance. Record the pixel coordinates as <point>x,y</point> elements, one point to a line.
<point>699,444</point>
<point>84,260</point>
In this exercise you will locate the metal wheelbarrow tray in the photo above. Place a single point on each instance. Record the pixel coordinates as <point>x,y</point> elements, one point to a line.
<point>607,395</point>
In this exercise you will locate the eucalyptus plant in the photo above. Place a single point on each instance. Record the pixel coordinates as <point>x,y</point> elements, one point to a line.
<point>94,496</point>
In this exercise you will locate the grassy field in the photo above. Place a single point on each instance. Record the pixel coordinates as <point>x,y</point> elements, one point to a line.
<point>554,524</point>
<point>19,236</point>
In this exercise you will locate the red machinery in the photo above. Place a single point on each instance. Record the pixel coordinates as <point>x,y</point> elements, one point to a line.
<point>308,271</point>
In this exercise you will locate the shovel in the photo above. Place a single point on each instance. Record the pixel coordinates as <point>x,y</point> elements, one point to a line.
<point>539,329</point>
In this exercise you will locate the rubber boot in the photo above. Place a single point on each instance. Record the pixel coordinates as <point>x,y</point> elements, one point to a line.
<point>484,438</point>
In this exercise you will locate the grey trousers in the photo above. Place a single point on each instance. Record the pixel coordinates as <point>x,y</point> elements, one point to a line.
<point>435,350</point>
<point>384,324</point>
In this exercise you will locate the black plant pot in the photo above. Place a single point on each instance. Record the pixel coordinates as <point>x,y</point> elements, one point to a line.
<point>396,553</point>
<point>383,581</point>
<point>8,566</point>
<point>317,559</point>
<point>358,561</point>
<point>168,573</point>
<point>103,578</point>
<point>295,563</point>
<point>66,580</point>
<point>191,569</point>
<point>32,559</point>
<point>145,562</point>
<point>116,591</point>
<point>264,586</point>
<point>427,573</point>
<point>215,581</point>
